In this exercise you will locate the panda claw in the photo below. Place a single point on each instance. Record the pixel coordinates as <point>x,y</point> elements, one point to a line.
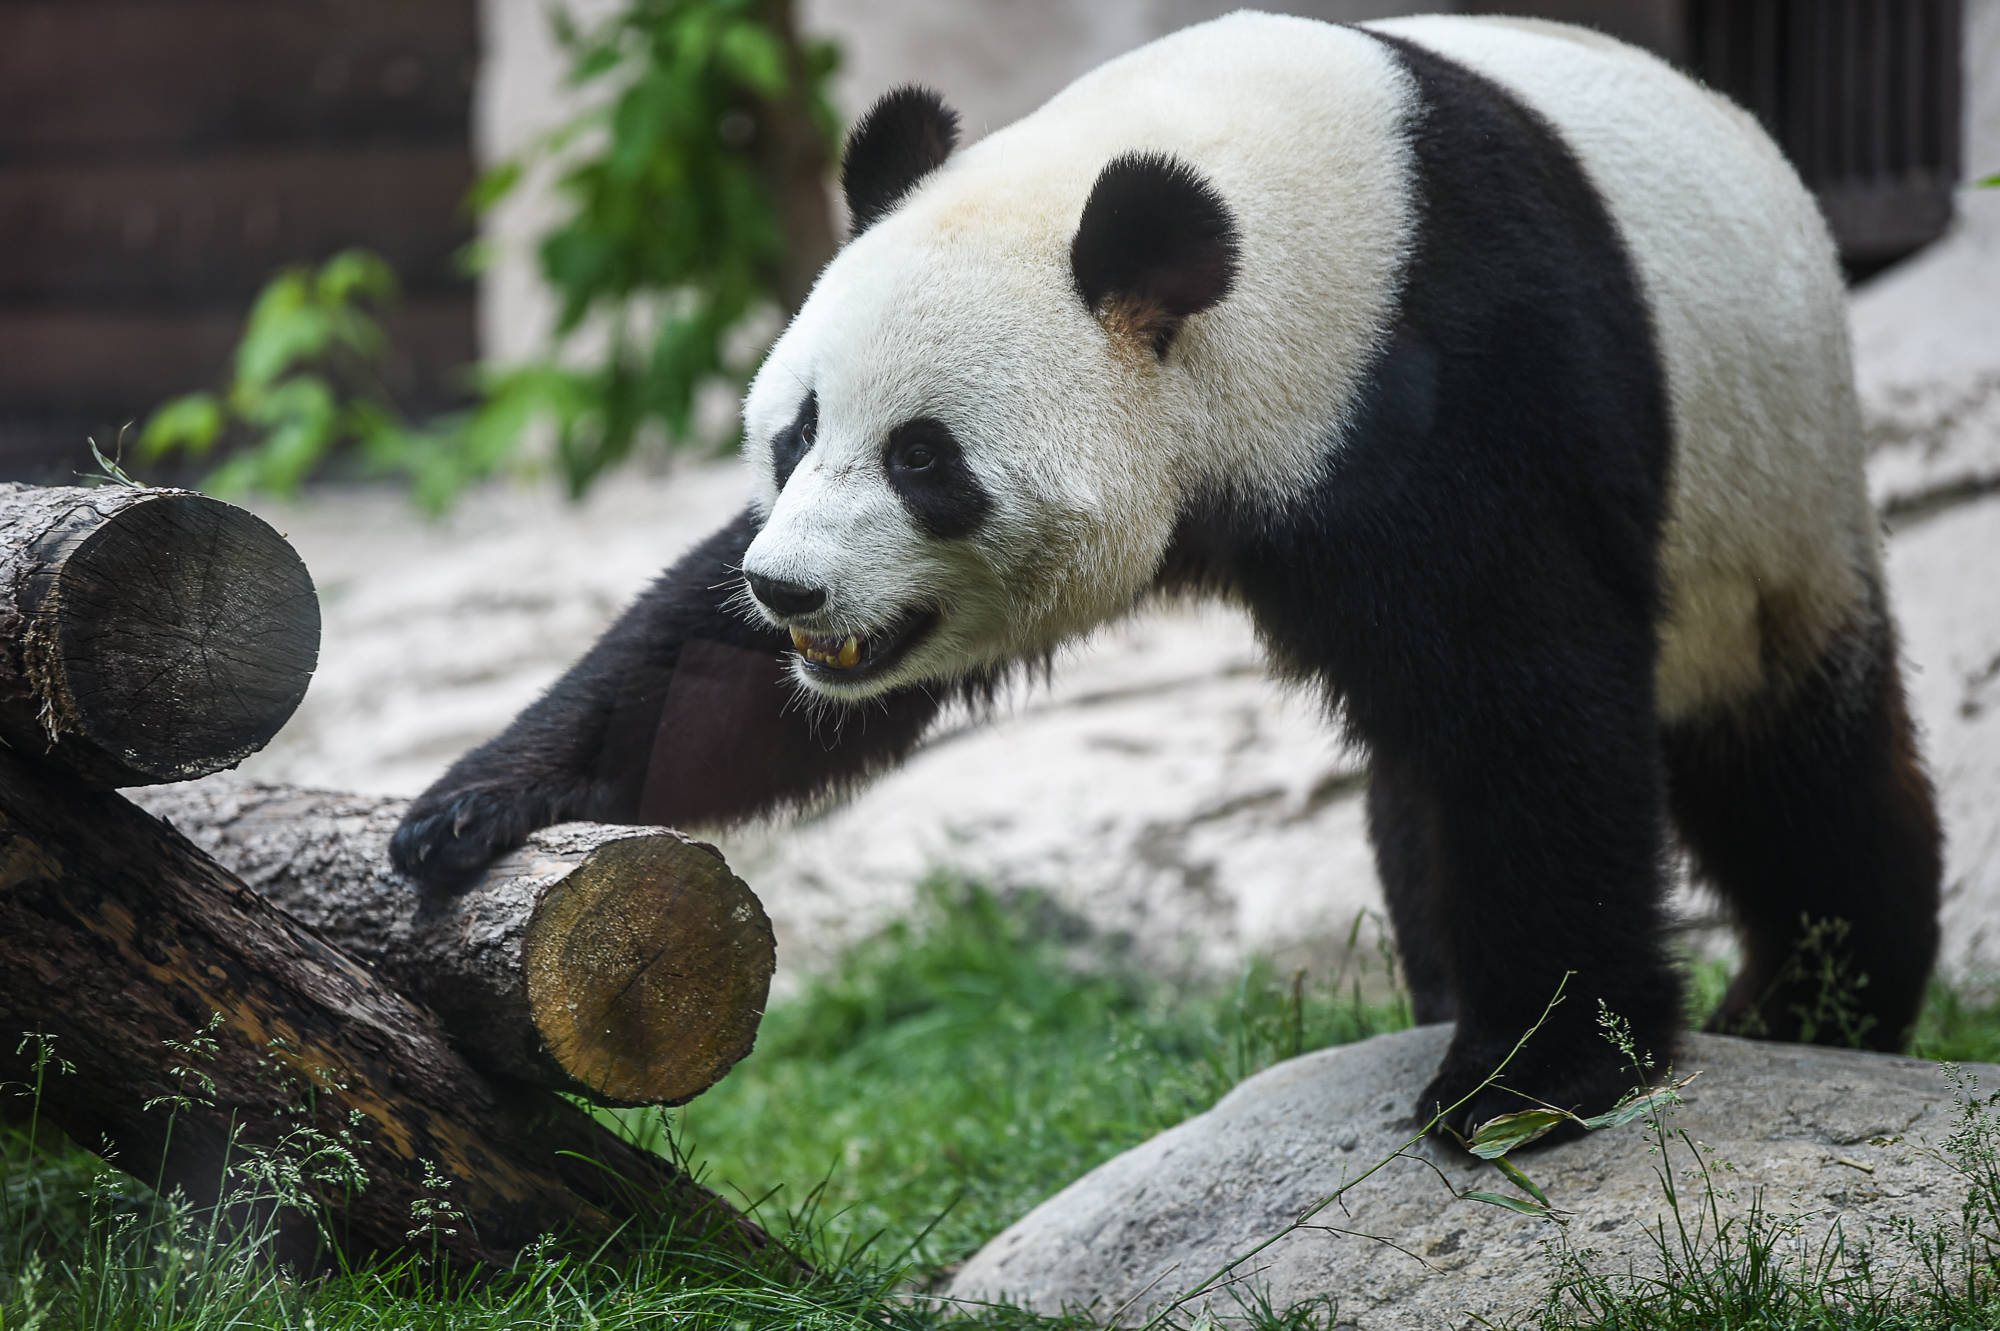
<point>445,841</point>
<point>1586,1076</point>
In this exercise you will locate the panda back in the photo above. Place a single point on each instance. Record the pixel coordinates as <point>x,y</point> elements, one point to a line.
<point>1329,144</point>
<point>1767,502</point>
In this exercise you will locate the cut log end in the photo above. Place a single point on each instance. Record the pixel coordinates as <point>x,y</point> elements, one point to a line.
<point>648,967</point>
<point>165,639</point>
<point>625,964</point>
<point>119,938</point>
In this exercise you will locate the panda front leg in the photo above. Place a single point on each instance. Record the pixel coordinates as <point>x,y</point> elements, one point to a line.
<point>682,713</point>
<point>1531,910</point>
<point>1402,826</point>
<point>1540,787</point>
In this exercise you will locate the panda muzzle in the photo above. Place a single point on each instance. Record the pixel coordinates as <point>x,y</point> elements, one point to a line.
<point>858,656</point>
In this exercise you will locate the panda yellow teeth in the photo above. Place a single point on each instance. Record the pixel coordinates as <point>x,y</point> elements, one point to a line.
<point>840,653</point>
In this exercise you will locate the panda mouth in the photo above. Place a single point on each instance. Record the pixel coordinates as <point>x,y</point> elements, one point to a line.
<point>857,656</point>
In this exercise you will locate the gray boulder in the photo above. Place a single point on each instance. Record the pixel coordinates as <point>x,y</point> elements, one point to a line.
<point>1821,1137</point>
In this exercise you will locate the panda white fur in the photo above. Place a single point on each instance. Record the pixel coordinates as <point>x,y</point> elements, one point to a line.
<point>1497,369</point>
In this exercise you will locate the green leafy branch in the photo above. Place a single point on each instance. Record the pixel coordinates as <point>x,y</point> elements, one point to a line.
<point>697,213</point>
<point>305,381</point>
<point>700,209</point>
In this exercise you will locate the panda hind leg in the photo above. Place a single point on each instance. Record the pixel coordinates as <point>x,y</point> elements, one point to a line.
<point>1808,810</point>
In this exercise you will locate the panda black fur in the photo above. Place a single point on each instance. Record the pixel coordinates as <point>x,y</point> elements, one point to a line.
<point>1499,371</point>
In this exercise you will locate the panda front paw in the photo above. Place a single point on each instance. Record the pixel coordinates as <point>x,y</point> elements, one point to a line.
<point>1584,1075</point>
<point>447,836</point>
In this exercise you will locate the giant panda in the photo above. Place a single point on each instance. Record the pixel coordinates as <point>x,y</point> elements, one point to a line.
<point>1496,369</point>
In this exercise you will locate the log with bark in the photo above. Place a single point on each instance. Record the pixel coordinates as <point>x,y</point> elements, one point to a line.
<point>117,936</point>
<point>146,635</point>
<point>626,964</point>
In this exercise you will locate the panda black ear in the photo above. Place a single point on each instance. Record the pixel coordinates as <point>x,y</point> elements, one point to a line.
<point>1156,244</point>
<point>904,137</point>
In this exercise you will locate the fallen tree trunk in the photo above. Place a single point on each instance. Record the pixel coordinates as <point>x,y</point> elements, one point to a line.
<point>118,936</point>
<point>626,964</point>
<point>146,635</point>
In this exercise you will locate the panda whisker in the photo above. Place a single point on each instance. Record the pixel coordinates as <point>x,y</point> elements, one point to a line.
<point>741,603</point>
<point>816,710</point>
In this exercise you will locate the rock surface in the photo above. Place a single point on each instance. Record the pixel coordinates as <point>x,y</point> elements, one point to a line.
<point>1829,1136</point>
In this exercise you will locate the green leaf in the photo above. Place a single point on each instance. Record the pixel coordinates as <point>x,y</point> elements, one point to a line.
<point>349,329</point>
<point>509,403</point>
<point>474,257</point>
<point>638,123</point>
<point>1989,182</point>
<point>691,43</point>
<point>302,396</point>
<point>238,476</point>
<point>1519,1179</point>
<point>295,448</point>
<point>594,64</point>
<point>821,58</point>
<point>302,417</point>
<point>190,424</point>
<point>671,245</point>
<point>578,263</point>
<point>286,328</point>
<point>1497,1136</point>
<point>1520,1204</point>
<point>494,184</point>
<point>753,56</point>
<point>108,468</point>
<point>1635,1107</point>
<point>351,274</point>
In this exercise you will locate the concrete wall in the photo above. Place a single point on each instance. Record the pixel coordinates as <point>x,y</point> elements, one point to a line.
<point>1927,332</point>
<point>997,59</point>
<point>1982,87</point>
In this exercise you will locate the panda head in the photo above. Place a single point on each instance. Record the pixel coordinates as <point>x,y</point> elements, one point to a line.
<point>968,447</point>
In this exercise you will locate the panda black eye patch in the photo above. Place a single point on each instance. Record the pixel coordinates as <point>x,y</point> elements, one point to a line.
<point>928,472</point>
<point>795,440</point>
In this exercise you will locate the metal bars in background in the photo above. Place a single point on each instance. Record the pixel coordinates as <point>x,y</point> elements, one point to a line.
<point>1862,94</point>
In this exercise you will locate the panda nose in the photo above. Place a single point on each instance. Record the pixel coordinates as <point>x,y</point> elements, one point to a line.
<point>786,598</point>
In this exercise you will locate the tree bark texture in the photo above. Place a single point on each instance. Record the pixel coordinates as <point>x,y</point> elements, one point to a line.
<point>146,635</point>
<point>628,965</point>
<point>117,935</point>
<point>792,158</point>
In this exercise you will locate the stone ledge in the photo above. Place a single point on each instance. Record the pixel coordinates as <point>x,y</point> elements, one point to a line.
<point>1830,1135</point>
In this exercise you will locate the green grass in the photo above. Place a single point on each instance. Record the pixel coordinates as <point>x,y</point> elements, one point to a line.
<point>1960,1024</point>
<point>946,1077</point>
<point>951,1073</point>
<point>965,1065</point>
